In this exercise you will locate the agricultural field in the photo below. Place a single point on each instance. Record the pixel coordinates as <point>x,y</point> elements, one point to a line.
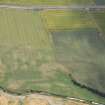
<point>81,2</point>
<point>79,45</point>
<point>83,52</point>
<point>39,49</point>
<point>100,2</point>
<point>68,19</point>
<point>92,72</point>
<point>36,2</point>
<point>22,47</point>
<point>19,27</point>
<point>100,20</point>
<point>55,2</point>
<point>49,2</point>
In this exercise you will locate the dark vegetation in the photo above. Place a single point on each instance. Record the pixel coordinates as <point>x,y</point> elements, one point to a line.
<point>83,53</point>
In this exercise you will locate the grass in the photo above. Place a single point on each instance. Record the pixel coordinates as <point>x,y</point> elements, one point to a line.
<point>67,19</point>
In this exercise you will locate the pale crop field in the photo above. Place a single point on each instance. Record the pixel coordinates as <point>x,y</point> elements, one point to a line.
<point>22,27</point>
<point>49,2</point>
<point>67,19</point>
<point>24,45</point>
<point>36,2</point>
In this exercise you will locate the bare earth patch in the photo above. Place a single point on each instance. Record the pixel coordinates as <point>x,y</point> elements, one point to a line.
<point>35,101</point>
<point>70,102</point>
<point>14,102</point>
<point>3,100</point>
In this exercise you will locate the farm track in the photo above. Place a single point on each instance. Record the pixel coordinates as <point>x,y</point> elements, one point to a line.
<point>40,7</point>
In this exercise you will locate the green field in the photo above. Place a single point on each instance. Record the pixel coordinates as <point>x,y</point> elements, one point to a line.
<point>36,2</point>
<point>67,19</point>
<point>49,2</point>
<point>100,20</point>
<point>83,52</point>
<point>22,27</point>
<point>100,2</point>
<point>38,50</point>
<point>23,47</point>
<point>78,44</point>
<point>53,2</point>
<point>83,2</point>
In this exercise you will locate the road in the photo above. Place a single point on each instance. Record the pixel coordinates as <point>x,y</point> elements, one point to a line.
<point>40,7</point>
